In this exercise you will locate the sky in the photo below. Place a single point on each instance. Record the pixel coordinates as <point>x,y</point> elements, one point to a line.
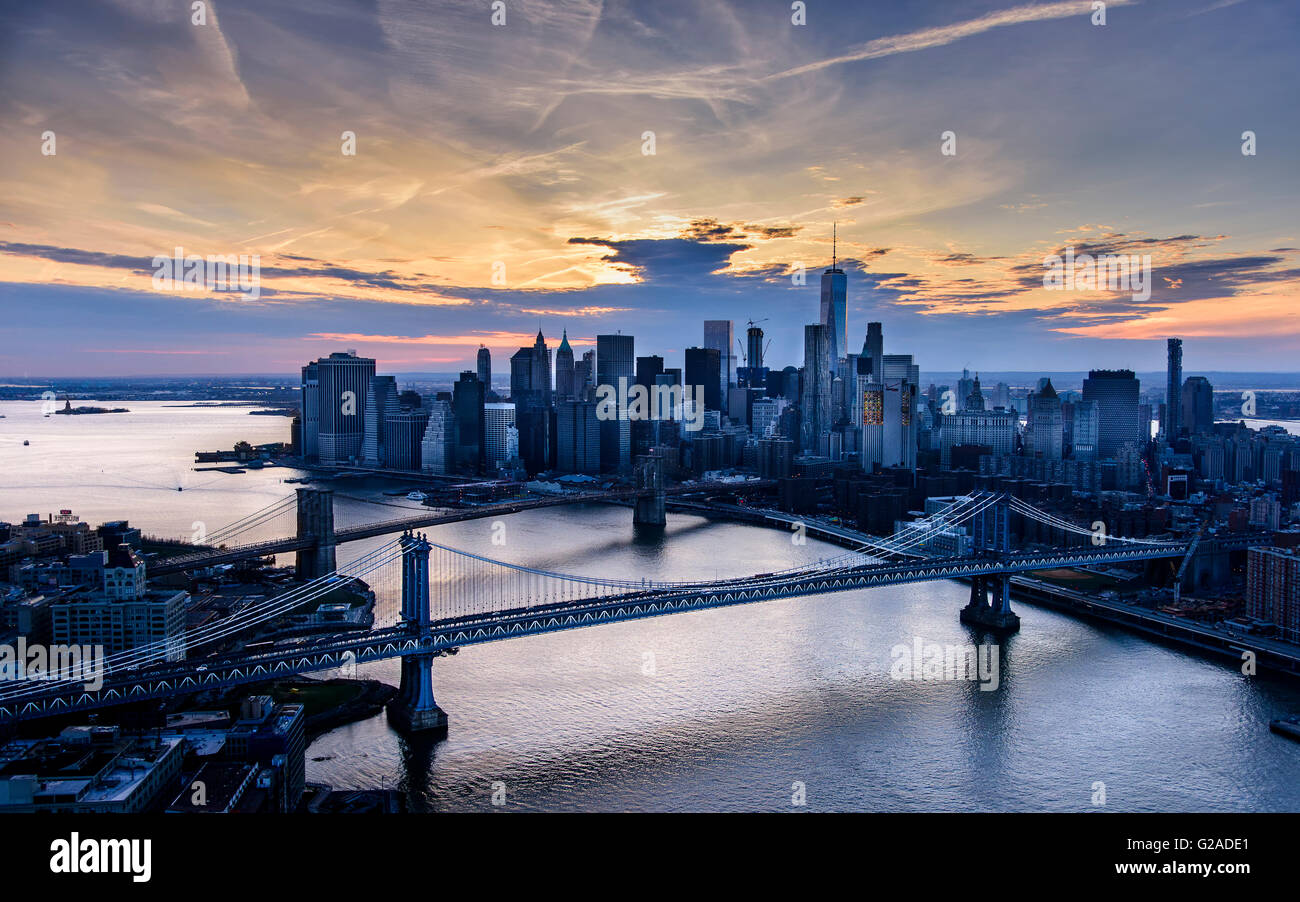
<point>503,179</point>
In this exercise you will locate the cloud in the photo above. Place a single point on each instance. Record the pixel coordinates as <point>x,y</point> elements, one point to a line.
<point>929,38</point>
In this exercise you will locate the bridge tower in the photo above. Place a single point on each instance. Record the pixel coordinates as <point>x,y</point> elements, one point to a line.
<point>316,522</point>
<point>991,530</point>
<point>415,710</point>
<point>648,510</point>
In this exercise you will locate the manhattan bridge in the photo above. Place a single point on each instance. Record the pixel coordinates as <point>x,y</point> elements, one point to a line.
<point>444,597</point>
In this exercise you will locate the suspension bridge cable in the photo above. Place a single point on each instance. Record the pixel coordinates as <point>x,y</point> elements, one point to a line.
<point>1040,516</point>
<point>243,524</point>
<point>250,616</point>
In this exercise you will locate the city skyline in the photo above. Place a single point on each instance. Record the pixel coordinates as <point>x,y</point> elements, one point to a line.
<point>500,178</point>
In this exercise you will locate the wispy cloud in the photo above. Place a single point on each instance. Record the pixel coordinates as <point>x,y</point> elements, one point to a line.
<point>941,36</point>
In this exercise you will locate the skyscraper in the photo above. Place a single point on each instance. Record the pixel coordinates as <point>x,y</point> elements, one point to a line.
<point>754,347</point>
<point>902,380</point>
<point>564,371</point>
<point>343,380</point>
<point>718,334</point>
<point>438,449</point>
<point>975,399</point>
<point>815,399</point>
<point>874,348</point>
<point>1173,389</point>
<point>1273,588</point>
<point>498,419</point>
<point>403,439</point>
<point>615,359</point>
<point>381,403</point>
<point>542,370</point>
<point>965,385</point>
<point>1086,427</point>
<point>1116,394</point>
<point>1198,405</point>
<point>1045,431</point>
<point>468,398</point>
<point>485,367</point>
<point>703,366</point>
<point>578,439</point>
<point>584,375</point>
<point>834,308</point>
<point>310,412</point>
<point>647,368</point>
<point>994,429</point>
<point>522,371</point>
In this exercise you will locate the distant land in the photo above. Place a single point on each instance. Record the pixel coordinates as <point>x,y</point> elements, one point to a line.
<point>278,388</point>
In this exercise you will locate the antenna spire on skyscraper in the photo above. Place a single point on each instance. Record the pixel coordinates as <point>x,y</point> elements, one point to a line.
<point>834,229</point>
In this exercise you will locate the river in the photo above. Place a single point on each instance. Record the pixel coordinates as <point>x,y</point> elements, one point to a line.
<point>726,710</point>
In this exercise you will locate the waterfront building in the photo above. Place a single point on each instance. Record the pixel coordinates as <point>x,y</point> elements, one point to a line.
<point>498,420</point>
<point>274,736</point>
<point>88,770</point>
<point>381,403</point>
<point>310,412</point>
<point>438,447</point>
<point>1273,588</point>
<point>405,437</point>
<point>343,378</point>
<point>468,398</point>
<point>122,623</point>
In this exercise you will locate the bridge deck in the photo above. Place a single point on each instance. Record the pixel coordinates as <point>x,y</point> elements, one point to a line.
<point>327,652</point>
<point>442,517</point>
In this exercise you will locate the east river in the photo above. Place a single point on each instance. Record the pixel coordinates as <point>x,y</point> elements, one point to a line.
<point>724,710</point>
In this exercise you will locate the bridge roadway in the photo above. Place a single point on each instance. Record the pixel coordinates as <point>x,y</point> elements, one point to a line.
<point>326,652</point>
<point>821,528</point>
<point>444,516</point>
